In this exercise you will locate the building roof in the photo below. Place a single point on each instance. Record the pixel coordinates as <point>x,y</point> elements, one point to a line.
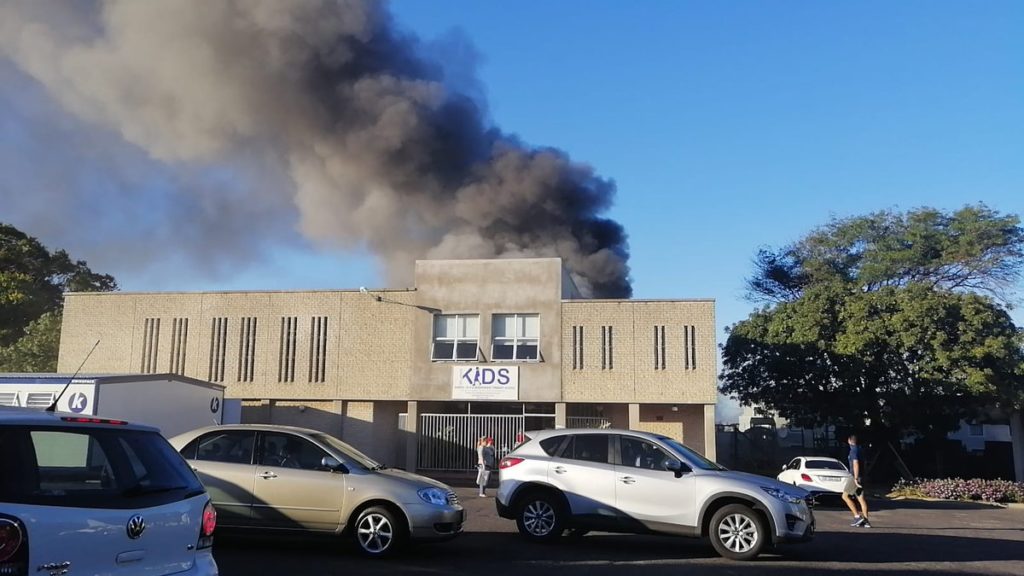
<point>58,378</point>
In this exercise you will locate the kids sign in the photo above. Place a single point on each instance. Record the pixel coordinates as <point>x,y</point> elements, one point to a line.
<point>485,383</point>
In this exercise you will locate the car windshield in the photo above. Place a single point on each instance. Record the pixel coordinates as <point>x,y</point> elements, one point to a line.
<point>824,465</point>
<point>348,453</point>
<point>692,457</point>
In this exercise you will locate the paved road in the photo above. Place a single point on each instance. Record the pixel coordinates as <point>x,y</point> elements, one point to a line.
<point>908,538</point>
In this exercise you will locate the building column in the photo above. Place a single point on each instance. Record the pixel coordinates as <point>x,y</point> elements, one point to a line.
<point>634,416</point>
<point>1017,443</point>
<point>411,435</point>
<point>560,418</point>
<point>709,432</point>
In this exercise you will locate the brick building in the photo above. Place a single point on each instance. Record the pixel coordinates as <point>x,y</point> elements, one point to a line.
<point>412,376</point>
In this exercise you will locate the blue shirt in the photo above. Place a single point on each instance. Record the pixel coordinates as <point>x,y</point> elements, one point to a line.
<point>854,455</point>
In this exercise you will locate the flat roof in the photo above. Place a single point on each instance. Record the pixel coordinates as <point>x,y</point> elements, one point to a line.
<point>369,291</point>
<point>8,378</point>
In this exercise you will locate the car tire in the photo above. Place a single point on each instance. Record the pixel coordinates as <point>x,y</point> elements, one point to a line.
<point>738,532</point>
<point>378,532</point>
<point>540,516</point>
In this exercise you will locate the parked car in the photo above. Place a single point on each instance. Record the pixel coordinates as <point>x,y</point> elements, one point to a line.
<point>87,495</point>
<point>636,482</point>
<point>264,477</point>
<point>816,474</point>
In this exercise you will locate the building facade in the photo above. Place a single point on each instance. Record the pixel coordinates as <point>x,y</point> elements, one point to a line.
<point>413,376</point>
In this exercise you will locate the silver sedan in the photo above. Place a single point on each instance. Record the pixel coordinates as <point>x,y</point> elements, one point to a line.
<point>283,478</point>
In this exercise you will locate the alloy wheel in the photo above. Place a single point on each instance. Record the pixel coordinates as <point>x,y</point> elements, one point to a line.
<point>375,533</point>
<point>539,518</point>
<point>738,533</point>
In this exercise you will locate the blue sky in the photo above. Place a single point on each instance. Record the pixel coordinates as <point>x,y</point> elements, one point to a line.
<point>726,125</point>
<point>732,125</point>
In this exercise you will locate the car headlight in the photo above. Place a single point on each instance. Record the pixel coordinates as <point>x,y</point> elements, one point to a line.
<point>434,496</point>
<point>782,495</point>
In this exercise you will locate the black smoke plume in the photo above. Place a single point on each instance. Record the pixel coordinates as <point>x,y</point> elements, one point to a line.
<point>323,107</point>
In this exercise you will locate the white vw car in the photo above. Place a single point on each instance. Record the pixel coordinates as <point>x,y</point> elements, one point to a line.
<point>816,474</point>
<point>86,495</point>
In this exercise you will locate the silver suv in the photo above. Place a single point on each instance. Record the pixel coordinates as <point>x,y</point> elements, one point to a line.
<point>635,482</point>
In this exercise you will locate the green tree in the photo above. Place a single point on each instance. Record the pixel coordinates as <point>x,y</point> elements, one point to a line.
<point>896,321</point>
<point>37,350</point>
<point>32,284</point>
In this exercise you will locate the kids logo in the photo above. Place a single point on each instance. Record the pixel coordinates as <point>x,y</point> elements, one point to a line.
<point>484,376</point>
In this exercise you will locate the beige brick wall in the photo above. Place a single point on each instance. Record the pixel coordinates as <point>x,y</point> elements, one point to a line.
<point>633,377</point>
<point>369,342</point>
<point>685,424</point>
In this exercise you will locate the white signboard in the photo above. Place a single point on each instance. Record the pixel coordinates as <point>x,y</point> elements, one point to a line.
<point>485,383</point>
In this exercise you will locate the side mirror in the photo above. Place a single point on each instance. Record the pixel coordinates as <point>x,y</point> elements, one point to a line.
<point>676,467</point>
<point>331,463</point>
<point>784,467</point>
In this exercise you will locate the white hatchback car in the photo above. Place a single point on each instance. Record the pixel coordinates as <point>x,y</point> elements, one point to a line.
<point>86,495</point>
<point>816,474</point>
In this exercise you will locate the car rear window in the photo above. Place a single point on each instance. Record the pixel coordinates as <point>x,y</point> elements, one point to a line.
<point>824,465</point>
<point>551,445</point>
<point>91,467</point>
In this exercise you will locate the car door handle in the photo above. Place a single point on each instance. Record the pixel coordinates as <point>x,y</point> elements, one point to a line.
<point>627,480</point>
<point>268,475</point>
<point>560,470</point>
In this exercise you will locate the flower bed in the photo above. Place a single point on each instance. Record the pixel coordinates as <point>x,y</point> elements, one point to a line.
<point>1002,491</point>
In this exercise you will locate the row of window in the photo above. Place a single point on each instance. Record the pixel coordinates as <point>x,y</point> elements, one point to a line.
<point>456,337</point>
<point>660,340</point>
<point>513,337</point>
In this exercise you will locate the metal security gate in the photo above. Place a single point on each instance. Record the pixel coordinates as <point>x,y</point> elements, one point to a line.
<point>447,442</point>
<point>588,422</point>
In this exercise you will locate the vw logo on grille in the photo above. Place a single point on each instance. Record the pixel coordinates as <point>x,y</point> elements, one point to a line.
<point>136,526</point>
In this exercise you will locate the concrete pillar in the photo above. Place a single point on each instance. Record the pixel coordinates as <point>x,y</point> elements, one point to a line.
<point>634,416</point>
<point>560,417</point>
<point>1017,443</point>
<point>709,432</point>
<point>411,435</point>
<point>339,409</point>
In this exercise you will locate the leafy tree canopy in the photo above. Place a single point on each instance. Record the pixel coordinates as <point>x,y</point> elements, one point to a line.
<point>32,283</point>
<point>973,249</point>
<point>891,319</point>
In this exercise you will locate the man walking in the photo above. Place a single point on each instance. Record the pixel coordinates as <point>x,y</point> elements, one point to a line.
<point>853,488</point>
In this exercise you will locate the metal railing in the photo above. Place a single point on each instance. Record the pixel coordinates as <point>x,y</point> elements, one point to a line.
<point>447,442</point>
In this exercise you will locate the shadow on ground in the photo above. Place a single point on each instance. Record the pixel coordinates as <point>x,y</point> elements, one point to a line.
<point>498,554</point>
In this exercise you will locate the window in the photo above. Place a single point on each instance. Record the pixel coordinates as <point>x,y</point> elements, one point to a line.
<point>976,430</point>
<point>607,348</point>
<point>794,464</point>
<point>218,349</point>
<point>288,451</point>
<point>456,337</point>
<point>515,337</point>
<point>150,344</point>
<point>577,347</point>
<point>551,445</point>
<point>91,468</point>
<point>690,347</point>
<point>659,347</point>
<point>179,341</point>
<point>318,349</point>
<point>637,453</point>
<point>587,447</point>
<point>825,465</point>
<point>247,350</point>
<point>230,447</point>
<point>286,349</point>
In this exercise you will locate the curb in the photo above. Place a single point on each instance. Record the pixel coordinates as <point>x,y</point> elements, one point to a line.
<point>1009,505</point>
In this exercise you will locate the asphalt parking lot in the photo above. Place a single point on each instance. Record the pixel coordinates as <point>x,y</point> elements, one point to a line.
<point>907,538</point>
